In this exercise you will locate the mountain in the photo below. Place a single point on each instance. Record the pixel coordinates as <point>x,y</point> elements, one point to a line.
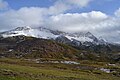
<point>79,40</point>
<point>41,32</point>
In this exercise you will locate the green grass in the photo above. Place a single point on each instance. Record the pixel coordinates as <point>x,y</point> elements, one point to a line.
<point>19,69</point>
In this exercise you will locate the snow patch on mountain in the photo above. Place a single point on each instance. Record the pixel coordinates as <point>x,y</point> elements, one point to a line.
<point>28,31</point>
<point>82,39</point>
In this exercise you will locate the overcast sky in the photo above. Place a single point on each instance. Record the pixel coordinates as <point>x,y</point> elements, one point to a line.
<point>100,17</point>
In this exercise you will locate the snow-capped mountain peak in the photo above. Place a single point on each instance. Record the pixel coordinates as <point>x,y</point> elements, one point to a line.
<point>41,32</point>
<point>22,28</point>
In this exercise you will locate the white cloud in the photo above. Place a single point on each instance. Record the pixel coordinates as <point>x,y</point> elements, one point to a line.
<point>79,3</point>
<point>100,24</point>
<point>60,6</point>
<point>33,16</point>
<point>3,5</point>
<point>78,21</point>
<point>117,13</point>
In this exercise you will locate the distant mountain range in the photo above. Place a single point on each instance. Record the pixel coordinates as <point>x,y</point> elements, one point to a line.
<point>43,42</point>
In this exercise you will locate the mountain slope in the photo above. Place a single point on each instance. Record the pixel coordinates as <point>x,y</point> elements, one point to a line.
<point>22,46</point>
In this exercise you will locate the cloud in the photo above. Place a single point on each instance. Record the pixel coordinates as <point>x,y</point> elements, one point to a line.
<point>79,3</point>
<point>60,6</point>
<point>100,24</point>
<point>117,13</point>
<point>33,16</point>
<point>3,5</point>
<point>78,21</point>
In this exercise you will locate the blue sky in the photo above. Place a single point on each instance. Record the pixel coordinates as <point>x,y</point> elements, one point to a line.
<point>17,4</point>
<point>106,6</point>
<point>100,17</point>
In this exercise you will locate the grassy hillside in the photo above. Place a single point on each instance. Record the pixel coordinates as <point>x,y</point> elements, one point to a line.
<point>22,69</point>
